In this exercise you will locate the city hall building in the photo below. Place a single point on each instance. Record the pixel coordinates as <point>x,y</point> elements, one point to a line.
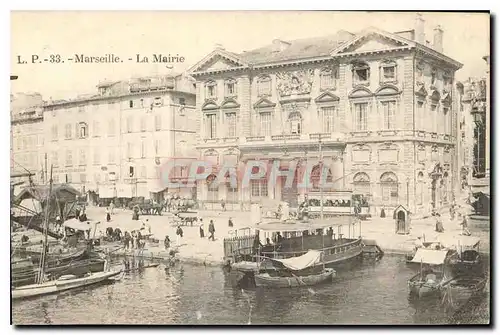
<point>381,106</point>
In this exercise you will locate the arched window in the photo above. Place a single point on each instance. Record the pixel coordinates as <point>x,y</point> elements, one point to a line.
<point>317,178</point>
<point>295,120</point>
<point>389,188</point>
<point>264,86</point>
<point>420,188</point>
<point>361,183</point>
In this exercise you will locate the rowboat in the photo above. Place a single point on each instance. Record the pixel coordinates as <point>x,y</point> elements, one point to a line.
<point>64,283</point>
<point>266,280</point>
<point>305,270</point>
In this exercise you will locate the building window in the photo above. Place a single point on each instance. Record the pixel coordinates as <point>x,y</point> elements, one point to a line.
<point>83,157</point>
<point>328,78</point>
<point>434,118</point>
<point>211,126</point>
<point>69,158</point>
<point>361,184</point>
<point>230,88</point>
<point>143,172</point>
<point>259,188</point>
<point>433,76</point>
<point>158,102</point>
<point>182,101</point>
<point>361,74</point>
<point>389,188</point>
<point>420,114</point>
<point>157,122</point>
<point>69,178</point>
<point>54,159</point>
<point>389,111</point>
<point>111,127</point>
<point>67,131</point>
<point>82,130</point>
<point>232,193</point>
<point>157,147</point>
<point>295,120</point>
<point>265,124</point>
<point>131,104</point>
<point>231,125</point>
<point>420,188</point>
<point>143,124</point>
<point>447,120</point>
<point>97,130</point>
<point>129,124</point>
<point>141,103</point>
<point>327,119</point>
<point>213,188</point>
<point>210,89</point>
<point>111,156</point>
<point>361,116</point>
<point>54,132</point>
<point>264,86</point>
<point>129,150</point>
<point>97,156</point>
<point>143,149</point>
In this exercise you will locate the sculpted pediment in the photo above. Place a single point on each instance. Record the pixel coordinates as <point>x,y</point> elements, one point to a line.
<point>230,103</point>
<point>217,60</point>
<point>327,97</point>
<point>209,105</point>
<point>372,39</point>
<point>360,92</point>
<point>387,90</point>
<point>264,103</point>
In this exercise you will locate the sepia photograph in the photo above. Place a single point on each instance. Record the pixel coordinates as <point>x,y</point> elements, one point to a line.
<point>250,168</point>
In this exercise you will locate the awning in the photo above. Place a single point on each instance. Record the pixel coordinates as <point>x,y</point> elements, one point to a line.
<point>311,258</point>
<point>434,257</point>
<point>459,242</point>
<point>81,226</point>
<point>156,186</point>
<point>107,191</point>
<point>124,191</point>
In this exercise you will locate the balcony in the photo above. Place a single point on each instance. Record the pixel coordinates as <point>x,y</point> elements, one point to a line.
<point>287,137</point>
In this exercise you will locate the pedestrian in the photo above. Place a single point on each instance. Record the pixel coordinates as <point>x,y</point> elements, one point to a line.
<point>452,212</point>
<point>439,223</point>
<point>465,226</point>
<point>179,234</point>
<point>202,231</point>
<point>108,215</point>
<point>132,240</point>
<point>58,221</point>
<point>223,205</point>
<point>112,207</point>
<point>230,222</point>
<point>166,242</point>
<point>126,240</point>
<point>211,230</point>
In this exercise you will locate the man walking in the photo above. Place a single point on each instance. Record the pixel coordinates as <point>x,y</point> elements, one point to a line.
<point>211,230</point>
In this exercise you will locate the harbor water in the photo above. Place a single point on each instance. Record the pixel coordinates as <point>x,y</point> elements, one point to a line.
<point>367,293</point>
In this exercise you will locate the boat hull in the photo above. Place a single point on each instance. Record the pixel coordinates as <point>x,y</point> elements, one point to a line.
<point>264,280</point>
<point>57,286</point>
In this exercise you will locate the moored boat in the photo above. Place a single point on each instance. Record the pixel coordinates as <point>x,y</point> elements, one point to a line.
<point>305,270</point>
<point>456,292</point>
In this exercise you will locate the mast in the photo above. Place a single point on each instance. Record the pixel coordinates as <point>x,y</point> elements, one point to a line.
<point>41,273</point>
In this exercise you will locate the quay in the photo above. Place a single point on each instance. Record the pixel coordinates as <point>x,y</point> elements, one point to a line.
<point>200,251</point>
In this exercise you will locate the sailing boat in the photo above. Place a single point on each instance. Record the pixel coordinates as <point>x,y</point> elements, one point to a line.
<point>63,283</point>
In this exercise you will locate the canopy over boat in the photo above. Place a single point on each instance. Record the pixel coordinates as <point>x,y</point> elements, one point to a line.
<point>434,257</point>
<point>459,242</point>
<point>81,226</point>
<point>295,225</point>
<point>311,258</point>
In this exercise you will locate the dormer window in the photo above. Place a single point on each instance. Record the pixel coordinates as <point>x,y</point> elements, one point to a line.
<point>230,88</point>
<point>388,72</point>
<point>264,86</point>
<point>83,131</point>
<point>361,74</point>
<point>211,90</point>
<point>329,78</point>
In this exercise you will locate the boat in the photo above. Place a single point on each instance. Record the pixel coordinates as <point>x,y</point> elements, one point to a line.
<point>64,283</point>
<point>456,292</point>
<point>433,273</point>
<point>305,270</point>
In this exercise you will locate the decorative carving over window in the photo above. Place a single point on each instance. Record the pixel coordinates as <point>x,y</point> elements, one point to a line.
<point>295,82</point>
<point>328,78</point>
<point>361,177</point>
<point>421,153</point>
<point>230,88</point>
<point>388,72</point>
<point>264,85</point>
<point>361,153</point>
<point>211,90</point>
<point>360,73</point>
<point>388,153</point>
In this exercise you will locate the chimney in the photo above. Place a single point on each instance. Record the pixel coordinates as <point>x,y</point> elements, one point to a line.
<point>279,45</point>
<point>438,39</point>
<point>420,29</point>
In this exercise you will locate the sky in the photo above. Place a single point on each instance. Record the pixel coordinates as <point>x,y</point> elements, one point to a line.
<point>193,35</point>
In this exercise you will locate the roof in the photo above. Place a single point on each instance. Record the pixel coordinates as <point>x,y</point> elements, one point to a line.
<point>434,257</point>
<point>297,49</point>
<point>40,192</point>
<point>311,258</point>
<point>293,225</point>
